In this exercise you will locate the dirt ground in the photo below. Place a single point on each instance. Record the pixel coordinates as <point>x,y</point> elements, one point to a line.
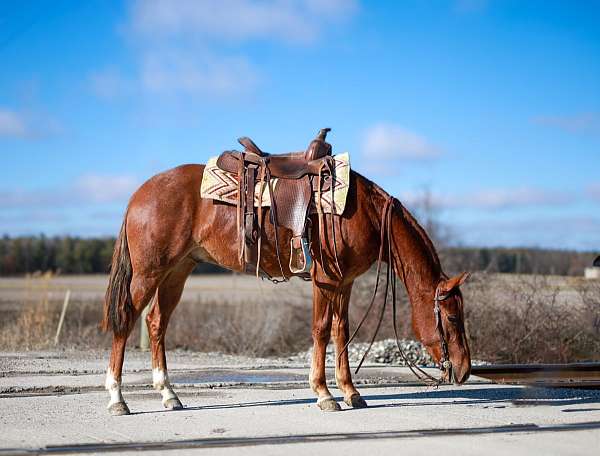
<point>54,402</point>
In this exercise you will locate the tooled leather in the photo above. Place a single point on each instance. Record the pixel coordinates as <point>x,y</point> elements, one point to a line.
<point>293,197</point>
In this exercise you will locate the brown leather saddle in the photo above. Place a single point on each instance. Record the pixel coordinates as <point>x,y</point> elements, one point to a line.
<point>298,174</point>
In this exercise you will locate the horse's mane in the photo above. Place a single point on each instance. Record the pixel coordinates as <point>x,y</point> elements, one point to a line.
<point>418,232</point>
<point>422,234</point>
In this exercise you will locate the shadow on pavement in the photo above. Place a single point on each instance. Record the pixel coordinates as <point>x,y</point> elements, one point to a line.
<point>520,397</point>
<point>228,442</point>
<point>529,396</point>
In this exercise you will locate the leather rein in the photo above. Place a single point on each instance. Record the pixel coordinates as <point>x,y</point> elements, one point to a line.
<point>445,364</point>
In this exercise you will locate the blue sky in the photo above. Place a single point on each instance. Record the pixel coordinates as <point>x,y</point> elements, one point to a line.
<point>490,107</point>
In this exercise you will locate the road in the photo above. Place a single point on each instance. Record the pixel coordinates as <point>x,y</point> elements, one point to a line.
<point>53,402</point>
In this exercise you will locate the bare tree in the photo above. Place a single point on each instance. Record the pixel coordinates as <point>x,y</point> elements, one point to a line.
<point>428,212</point>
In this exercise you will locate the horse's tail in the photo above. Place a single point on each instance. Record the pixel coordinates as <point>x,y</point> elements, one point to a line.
<point>118,306</point>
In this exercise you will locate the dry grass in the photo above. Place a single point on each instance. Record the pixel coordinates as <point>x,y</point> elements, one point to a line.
<point>252,328</point>
<point>529,319</point>
<point>509,319</point>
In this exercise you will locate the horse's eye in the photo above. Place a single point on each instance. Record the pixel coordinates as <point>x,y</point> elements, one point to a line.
<point>453,319</point>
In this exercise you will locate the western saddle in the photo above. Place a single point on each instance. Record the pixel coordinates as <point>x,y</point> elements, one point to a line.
<point>298,175</point>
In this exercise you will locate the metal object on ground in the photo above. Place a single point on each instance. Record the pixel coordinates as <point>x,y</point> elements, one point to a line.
<point>576,375</point>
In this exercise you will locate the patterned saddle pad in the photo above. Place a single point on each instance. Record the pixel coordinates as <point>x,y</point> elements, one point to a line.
<point>223,186</point>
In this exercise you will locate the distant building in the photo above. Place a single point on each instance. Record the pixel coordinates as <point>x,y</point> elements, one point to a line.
<point>593,272</point>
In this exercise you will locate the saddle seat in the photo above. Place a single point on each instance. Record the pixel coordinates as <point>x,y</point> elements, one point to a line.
<point>287,165</point>
<point>316,149</point>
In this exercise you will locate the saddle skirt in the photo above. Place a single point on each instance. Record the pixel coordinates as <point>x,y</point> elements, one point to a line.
<point>223,186</point>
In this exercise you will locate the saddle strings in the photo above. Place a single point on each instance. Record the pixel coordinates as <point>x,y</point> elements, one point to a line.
<point>263,171</point>
<point>320,215</point>
<point>329,167</point>
<point>273,214</point>
<point>241,210</point>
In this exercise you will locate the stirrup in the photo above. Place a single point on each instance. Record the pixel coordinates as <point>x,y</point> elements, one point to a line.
<point>306,259</point>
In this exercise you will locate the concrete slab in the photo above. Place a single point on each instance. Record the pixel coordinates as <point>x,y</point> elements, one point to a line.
<point>275,417</point>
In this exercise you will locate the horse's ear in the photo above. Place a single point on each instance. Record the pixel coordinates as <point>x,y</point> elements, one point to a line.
<point>597,262</point>
<point>450,284</point>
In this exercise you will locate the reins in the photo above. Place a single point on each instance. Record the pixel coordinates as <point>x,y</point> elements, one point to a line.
<point>391,275</point>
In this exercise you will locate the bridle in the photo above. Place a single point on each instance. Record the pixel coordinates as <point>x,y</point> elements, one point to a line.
<point>445,364</point>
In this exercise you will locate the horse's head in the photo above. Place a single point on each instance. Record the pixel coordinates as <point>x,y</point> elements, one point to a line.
<point>447,340</point>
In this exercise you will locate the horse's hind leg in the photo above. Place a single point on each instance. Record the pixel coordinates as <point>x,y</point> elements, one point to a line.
<point>166,299</point>
<point>142,289</point>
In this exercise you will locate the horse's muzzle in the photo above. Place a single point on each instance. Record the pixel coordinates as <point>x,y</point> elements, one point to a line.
<point>460,376</point>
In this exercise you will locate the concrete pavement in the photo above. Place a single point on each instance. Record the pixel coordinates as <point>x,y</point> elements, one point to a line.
<point>45,411</point>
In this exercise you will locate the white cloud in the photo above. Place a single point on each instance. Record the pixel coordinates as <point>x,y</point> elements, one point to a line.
<point>593,191</point>
<point>563,232</point>
<point>518,197</point>
<point>393,142</point>
<point>12,125</point>
<point>187,72</point>
<point>109,83</point>
<point>87,189</point>
<point>105,189</point>
<point>237,20</point>
<point>493,199</point>
<point>194,47</point>
<point>576,123</point>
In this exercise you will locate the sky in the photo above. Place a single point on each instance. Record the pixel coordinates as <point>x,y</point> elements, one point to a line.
<point>492,108</point>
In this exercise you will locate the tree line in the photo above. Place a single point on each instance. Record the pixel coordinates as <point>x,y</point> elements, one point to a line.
<point>63,255</point>
<point>76,255</point>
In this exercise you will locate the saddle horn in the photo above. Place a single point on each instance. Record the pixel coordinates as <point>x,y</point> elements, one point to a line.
<point>323,133</point>
<point>318,147</point>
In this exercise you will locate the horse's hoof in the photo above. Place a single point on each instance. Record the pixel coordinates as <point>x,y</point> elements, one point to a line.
<point>118,409</point>
<point>173,404</point>
<point>356,401</point>
<point>329,405</point>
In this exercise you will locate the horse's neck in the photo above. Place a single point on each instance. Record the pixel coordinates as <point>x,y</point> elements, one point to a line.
<point>415,258</point>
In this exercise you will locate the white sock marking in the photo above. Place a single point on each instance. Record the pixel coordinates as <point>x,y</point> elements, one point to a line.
<point>160,380</point>
<point>114,388</point>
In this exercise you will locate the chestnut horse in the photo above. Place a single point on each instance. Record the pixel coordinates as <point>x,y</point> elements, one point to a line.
<point>168,229</point>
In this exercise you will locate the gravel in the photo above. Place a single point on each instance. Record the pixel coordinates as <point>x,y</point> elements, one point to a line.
<point>382,352</point>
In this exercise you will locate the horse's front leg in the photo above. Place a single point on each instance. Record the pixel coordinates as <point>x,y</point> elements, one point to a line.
<point>340,331</point>
<point>321,333</point>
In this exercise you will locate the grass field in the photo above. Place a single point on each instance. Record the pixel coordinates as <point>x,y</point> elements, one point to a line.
<point>509,318</point>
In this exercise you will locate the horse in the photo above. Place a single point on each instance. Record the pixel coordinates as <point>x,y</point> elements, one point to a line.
<point>168,229</point>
